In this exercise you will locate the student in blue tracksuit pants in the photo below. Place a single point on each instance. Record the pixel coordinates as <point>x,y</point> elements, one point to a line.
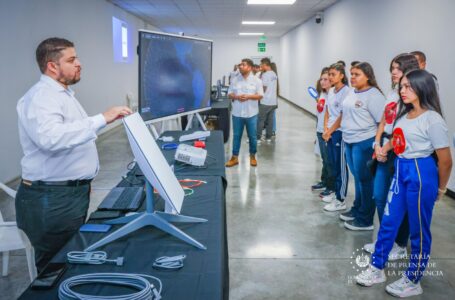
<point>419,181</point>
<point>399,65</point>
<point>334,137</point>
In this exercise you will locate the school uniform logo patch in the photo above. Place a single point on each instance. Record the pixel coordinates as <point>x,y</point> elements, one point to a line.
<point>390,112</point>
<point>358,104</point>
<point>320,105</point>
<point>398,141</point>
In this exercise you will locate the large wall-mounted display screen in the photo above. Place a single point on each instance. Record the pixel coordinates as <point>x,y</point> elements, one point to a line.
<point>174,75</point>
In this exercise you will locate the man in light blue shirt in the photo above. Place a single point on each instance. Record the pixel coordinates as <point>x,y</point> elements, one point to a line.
<point>245,91</point>
<point>60,157</point>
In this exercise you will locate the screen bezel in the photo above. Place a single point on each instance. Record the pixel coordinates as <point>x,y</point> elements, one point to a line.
<point>176,115</point>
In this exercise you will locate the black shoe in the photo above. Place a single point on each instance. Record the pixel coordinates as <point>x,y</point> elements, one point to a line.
<point>354,225</point>
<point>318,186</point>
<point>325,193</point>
<point>347,216</point>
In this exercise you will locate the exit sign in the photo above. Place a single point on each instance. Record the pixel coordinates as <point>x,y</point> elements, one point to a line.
<point>261,47</point>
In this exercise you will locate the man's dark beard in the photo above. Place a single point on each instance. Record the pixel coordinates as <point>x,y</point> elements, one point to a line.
<point>68,81</point>
<point>72,81</point>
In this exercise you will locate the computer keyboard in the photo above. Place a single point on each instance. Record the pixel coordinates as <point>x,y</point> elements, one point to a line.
<point>123,198</point>
<point>194,136</point>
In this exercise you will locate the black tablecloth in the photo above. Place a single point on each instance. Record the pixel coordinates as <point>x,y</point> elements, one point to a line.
<point>206,272</point>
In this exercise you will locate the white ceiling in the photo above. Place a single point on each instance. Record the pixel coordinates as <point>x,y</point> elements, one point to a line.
<point>221,18</point>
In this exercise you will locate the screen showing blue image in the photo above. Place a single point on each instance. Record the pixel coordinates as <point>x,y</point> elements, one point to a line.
<point>174,75</point>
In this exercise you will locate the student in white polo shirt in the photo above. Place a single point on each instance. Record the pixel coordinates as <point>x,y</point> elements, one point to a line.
<point>245,91</point>
<point>268,103</point>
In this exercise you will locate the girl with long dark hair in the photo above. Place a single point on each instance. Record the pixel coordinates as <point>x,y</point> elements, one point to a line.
<point>362,111</point>
<point>334,138</point>
<point>420,179</point>
<point>399,65</point>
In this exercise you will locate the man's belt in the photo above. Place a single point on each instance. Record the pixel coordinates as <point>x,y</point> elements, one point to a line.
<point>57,183</point>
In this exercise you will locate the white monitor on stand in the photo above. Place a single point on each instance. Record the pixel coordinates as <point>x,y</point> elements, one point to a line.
<point>152,162</point>
<point>159,175</point>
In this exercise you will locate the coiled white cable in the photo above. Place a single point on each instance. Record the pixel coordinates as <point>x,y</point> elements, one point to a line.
<point>169,262</point>
<point>91,258</point>
<point>146,291</point>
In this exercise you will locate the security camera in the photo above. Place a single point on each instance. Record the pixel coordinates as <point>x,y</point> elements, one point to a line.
<point>319,18</point>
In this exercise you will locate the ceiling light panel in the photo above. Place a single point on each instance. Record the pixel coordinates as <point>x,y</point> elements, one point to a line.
<point>258,22</point>
<point>251,33</point>
<point>271,2</point>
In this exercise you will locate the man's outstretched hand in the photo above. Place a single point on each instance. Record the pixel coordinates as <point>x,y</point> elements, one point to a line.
<point>115,113</point>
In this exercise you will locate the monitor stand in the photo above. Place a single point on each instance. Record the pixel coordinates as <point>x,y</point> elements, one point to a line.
<point>190,121</point>
<point>153,129</point>
<point>150,217</point>
<point>154,132</point>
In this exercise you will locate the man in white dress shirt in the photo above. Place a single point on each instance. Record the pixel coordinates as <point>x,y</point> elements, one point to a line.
<point>245,91</point>
<point>60,157</point>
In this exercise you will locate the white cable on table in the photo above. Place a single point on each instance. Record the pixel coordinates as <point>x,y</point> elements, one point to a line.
<point>146,291</point>
<point>169,262</point>
<point>91,258</point>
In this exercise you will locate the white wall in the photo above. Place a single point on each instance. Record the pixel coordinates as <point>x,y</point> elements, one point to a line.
<point>89,25</point>
<point>230,51</point>
<point>373,31</point>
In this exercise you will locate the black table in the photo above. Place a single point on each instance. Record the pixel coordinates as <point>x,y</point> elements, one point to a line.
<point>206,272</point>
<point>220,112</point>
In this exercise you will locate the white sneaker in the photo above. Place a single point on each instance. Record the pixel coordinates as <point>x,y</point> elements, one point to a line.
<point>268,141</point>
<point>397,252</point>
<point>369,247</point>
<point>370,276</point>
<point>404,287</point>
<point>336,205</point>
<point>328,199</point>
